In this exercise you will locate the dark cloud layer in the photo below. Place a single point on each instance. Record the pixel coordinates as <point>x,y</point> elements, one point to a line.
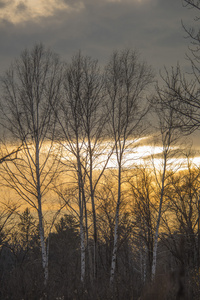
<point>21,7</point>
<point>4,3</point>
<point>99,27</point>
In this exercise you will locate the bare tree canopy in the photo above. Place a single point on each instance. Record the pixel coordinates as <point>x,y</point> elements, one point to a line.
<point>31,87</point>
<point>126,81</point>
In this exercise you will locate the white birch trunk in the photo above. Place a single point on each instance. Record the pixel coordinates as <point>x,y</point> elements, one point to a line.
<point>93,210</point>
<point>114,254</point>
<point>40,216</point>
<point>82,237</point>
<point>81,204</point>
<point>153,272</point>
<point>155,247</point>
<point>43,249</point>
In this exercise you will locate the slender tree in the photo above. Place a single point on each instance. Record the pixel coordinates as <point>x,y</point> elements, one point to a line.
<point>183,196</point>
<point>184,90</point>
<point>30,88</point>
<point>126,80</point>
<point>170,133</point>
<point>142,195</point>
<point>82,119</point>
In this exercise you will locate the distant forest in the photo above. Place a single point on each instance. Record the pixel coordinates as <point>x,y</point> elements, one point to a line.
<point>100,192</point>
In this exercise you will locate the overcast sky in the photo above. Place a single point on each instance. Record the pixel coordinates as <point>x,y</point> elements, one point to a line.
<point>97,27</point>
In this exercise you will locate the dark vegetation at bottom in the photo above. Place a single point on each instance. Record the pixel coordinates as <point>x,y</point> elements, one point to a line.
<point>21,274</point>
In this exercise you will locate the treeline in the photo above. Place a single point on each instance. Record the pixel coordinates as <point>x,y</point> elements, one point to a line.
<point>21,272</point>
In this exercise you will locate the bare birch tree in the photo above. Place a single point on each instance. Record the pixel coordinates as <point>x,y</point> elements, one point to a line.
<point>82,119</point>
<point>71,137</point>
<point>184,88</point>
<point>126,80</point>
<point>170,134</point>
<point>29,90</point>
<point>142,208</point>
<point>184,198</point>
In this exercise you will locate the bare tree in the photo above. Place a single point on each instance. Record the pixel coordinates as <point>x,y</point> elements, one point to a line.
<point>142,197</point>
<point>82,120</point>
<point>192,32</point>
<point>170,134</point>
<point>7,155</point>
<point>126,80</point>
<point>183,196</point>
<point>182,88</point>
<point>30,88</point>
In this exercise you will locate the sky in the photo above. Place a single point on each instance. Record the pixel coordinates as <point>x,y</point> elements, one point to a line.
<point>96,27</point>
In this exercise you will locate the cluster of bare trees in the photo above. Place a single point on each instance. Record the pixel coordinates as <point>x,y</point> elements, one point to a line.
<point>177,244</point>
<point>71,119</point>
<point>69,134</point>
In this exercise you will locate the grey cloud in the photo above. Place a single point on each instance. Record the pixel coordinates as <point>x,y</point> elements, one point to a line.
<point>101,26</point>
<point>71,2</point>
<point>154,28</point>
<point>4,3</point>
<point>21,7</point>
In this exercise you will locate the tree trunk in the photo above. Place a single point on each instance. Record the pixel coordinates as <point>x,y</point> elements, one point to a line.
<point>93,212</point>
<point>40,216</point>
<point>82,236</point>
<point>81,205</point>
<point>155,247</point>
<point>114,254</point>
